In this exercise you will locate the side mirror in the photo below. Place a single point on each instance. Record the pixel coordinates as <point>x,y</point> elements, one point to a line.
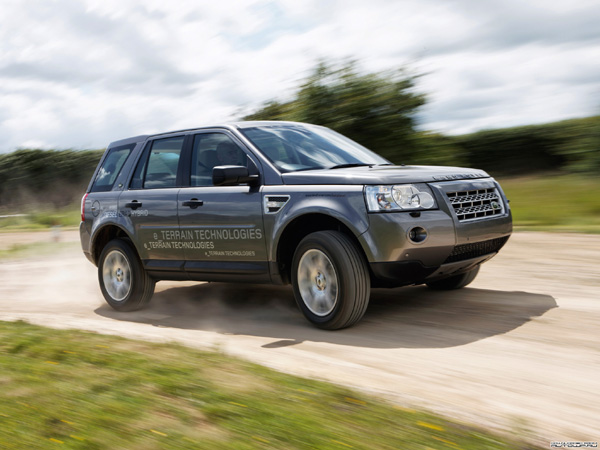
<point>232,176</point>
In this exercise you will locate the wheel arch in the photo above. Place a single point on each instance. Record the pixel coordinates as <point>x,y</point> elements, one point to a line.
<point>300,227</point>
<point>103,236</point>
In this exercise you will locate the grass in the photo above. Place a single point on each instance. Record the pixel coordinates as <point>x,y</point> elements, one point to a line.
<point>72,389</point>
<point>40,219</point>
<point>36,249</point>
<point>555,203</point>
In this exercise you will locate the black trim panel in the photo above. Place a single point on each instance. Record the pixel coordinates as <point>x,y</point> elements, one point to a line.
<point>399,273</point>
<point>230,277</point>
<point>169,275</point>
<point>163,264</point>
<point>228,267</point>
<point>476,249</point>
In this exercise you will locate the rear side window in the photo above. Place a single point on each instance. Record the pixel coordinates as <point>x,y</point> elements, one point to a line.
<point>158,169</point>
<point>111,167</point>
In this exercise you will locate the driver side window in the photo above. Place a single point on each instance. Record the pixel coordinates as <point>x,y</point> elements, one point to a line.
<point>211,150</point>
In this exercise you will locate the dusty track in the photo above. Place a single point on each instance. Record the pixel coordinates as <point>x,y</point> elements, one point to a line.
<point>517,351</point>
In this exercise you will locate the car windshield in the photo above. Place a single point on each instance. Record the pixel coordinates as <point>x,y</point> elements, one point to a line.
<point>292,148</point>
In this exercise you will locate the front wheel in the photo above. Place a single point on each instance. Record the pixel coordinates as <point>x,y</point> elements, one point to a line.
<point>331,280</point>
<point>454,282</point>
<point>123,281</point>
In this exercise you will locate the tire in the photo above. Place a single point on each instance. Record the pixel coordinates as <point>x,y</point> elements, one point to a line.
<point>454,282</point>
<point>123,281</point>
<point>331,280</point>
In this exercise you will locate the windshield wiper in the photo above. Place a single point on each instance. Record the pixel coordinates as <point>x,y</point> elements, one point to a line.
<point>341,166</point>
<point>305,168</point>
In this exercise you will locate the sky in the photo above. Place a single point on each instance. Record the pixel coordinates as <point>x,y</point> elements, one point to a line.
<point>83,73</point>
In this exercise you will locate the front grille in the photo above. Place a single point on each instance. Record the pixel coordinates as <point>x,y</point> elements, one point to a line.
<point>475,249</point>
<point>476,204</point>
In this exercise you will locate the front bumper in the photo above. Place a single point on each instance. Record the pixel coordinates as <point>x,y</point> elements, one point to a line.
<point>452,246</point>
<point>403,273</point>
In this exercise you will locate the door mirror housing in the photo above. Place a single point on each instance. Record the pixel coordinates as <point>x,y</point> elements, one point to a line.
<point>232,176</point>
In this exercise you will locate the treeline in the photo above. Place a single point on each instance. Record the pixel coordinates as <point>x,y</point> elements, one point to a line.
<point>46,178</point>
<point>378,110</point>
<point>57,178</point>
<point>566,146</point>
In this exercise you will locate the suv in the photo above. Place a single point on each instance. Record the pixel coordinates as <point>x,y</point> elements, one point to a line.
<point>280,203</point>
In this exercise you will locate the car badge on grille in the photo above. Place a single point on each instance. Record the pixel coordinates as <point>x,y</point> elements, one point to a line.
<point>495,205</point>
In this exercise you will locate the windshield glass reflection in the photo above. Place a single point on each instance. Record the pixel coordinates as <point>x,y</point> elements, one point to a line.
<point>292,148</point>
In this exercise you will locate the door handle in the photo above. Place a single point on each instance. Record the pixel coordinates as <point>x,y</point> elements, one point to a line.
<point>133,205</point>
<point>193,203</point>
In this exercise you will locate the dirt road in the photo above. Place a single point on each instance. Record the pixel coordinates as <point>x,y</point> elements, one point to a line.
<point>517,351</point>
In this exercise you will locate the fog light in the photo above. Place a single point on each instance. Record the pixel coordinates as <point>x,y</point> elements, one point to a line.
<point>417,235</point>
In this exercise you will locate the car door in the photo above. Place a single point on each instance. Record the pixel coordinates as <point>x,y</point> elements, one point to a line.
<point>150,204</point>
<point>221,226</point>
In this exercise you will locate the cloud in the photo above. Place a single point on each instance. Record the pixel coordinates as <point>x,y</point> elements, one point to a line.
<point>83,73</point>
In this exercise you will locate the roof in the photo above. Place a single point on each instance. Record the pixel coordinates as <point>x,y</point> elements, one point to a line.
<point>229,125</point>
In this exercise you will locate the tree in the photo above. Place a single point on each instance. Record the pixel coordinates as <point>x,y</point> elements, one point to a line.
<point>377,109</point>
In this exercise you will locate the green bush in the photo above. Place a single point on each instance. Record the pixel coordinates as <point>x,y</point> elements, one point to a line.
<point>570,146</point>
<point>46,179</point>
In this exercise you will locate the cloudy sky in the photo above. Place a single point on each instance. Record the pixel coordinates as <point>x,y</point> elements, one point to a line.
<point>82,73</point>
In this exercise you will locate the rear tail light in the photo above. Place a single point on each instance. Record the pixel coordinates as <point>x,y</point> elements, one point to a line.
<point>83,206</point>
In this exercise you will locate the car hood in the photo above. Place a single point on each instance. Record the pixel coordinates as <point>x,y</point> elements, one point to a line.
<point>382,175</point>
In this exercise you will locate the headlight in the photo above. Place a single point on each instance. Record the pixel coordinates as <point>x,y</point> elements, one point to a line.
<point>401,197</point>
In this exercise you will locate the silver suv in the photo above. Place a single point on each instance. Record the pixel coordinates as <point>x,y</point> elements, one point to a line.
<point>284,202</point>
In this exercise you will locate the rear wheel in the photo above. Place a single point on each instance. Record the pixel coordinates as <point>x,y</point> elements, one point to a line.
<point>454,282</point>
<point>123,281</point>
<point>331,280</point>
